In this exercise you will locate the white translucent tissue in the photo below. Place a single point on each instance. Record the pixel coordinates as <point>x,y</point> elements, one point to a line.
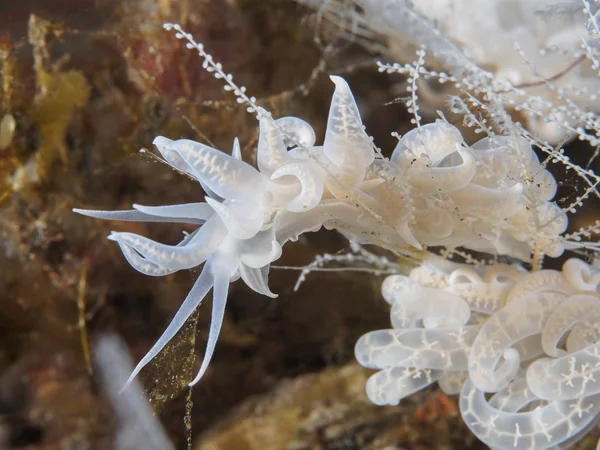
<point>522,349</point>
<point>434,191</point>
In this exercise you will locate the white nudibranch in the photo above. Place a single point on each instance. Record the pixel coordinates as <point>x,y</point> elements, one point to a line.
<point>435,191</point>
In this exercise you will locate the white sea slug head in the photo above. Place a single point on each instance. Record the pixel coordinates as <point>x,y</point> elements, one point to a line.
<point>248,213</point>
<point>236,236</point>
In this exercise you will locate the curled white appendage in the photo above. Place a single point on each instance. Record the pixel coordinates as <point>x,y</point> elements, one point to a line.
<point>137,216</point>
<point>443,179</point>
<point>564,317</point>
<point>514,322</point>
<point>394,286</point>
<point>405,233</point>
<point>201,287</point>
<point>431,308</point>
<point>514,397</point>
<point>542,428</point>
<point>346,143</point>
<point>482,296</point>
<point>389,386</point>
<point>221,274</point>
<point>296,131</point>
<point>581,276</point>
<point>442,349</point>
<point>194,253</point>
<point>311,184</point>
<point>426,146</point>
<point>226,176</point>
<point>242,220</point>
<point>572,376</point>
